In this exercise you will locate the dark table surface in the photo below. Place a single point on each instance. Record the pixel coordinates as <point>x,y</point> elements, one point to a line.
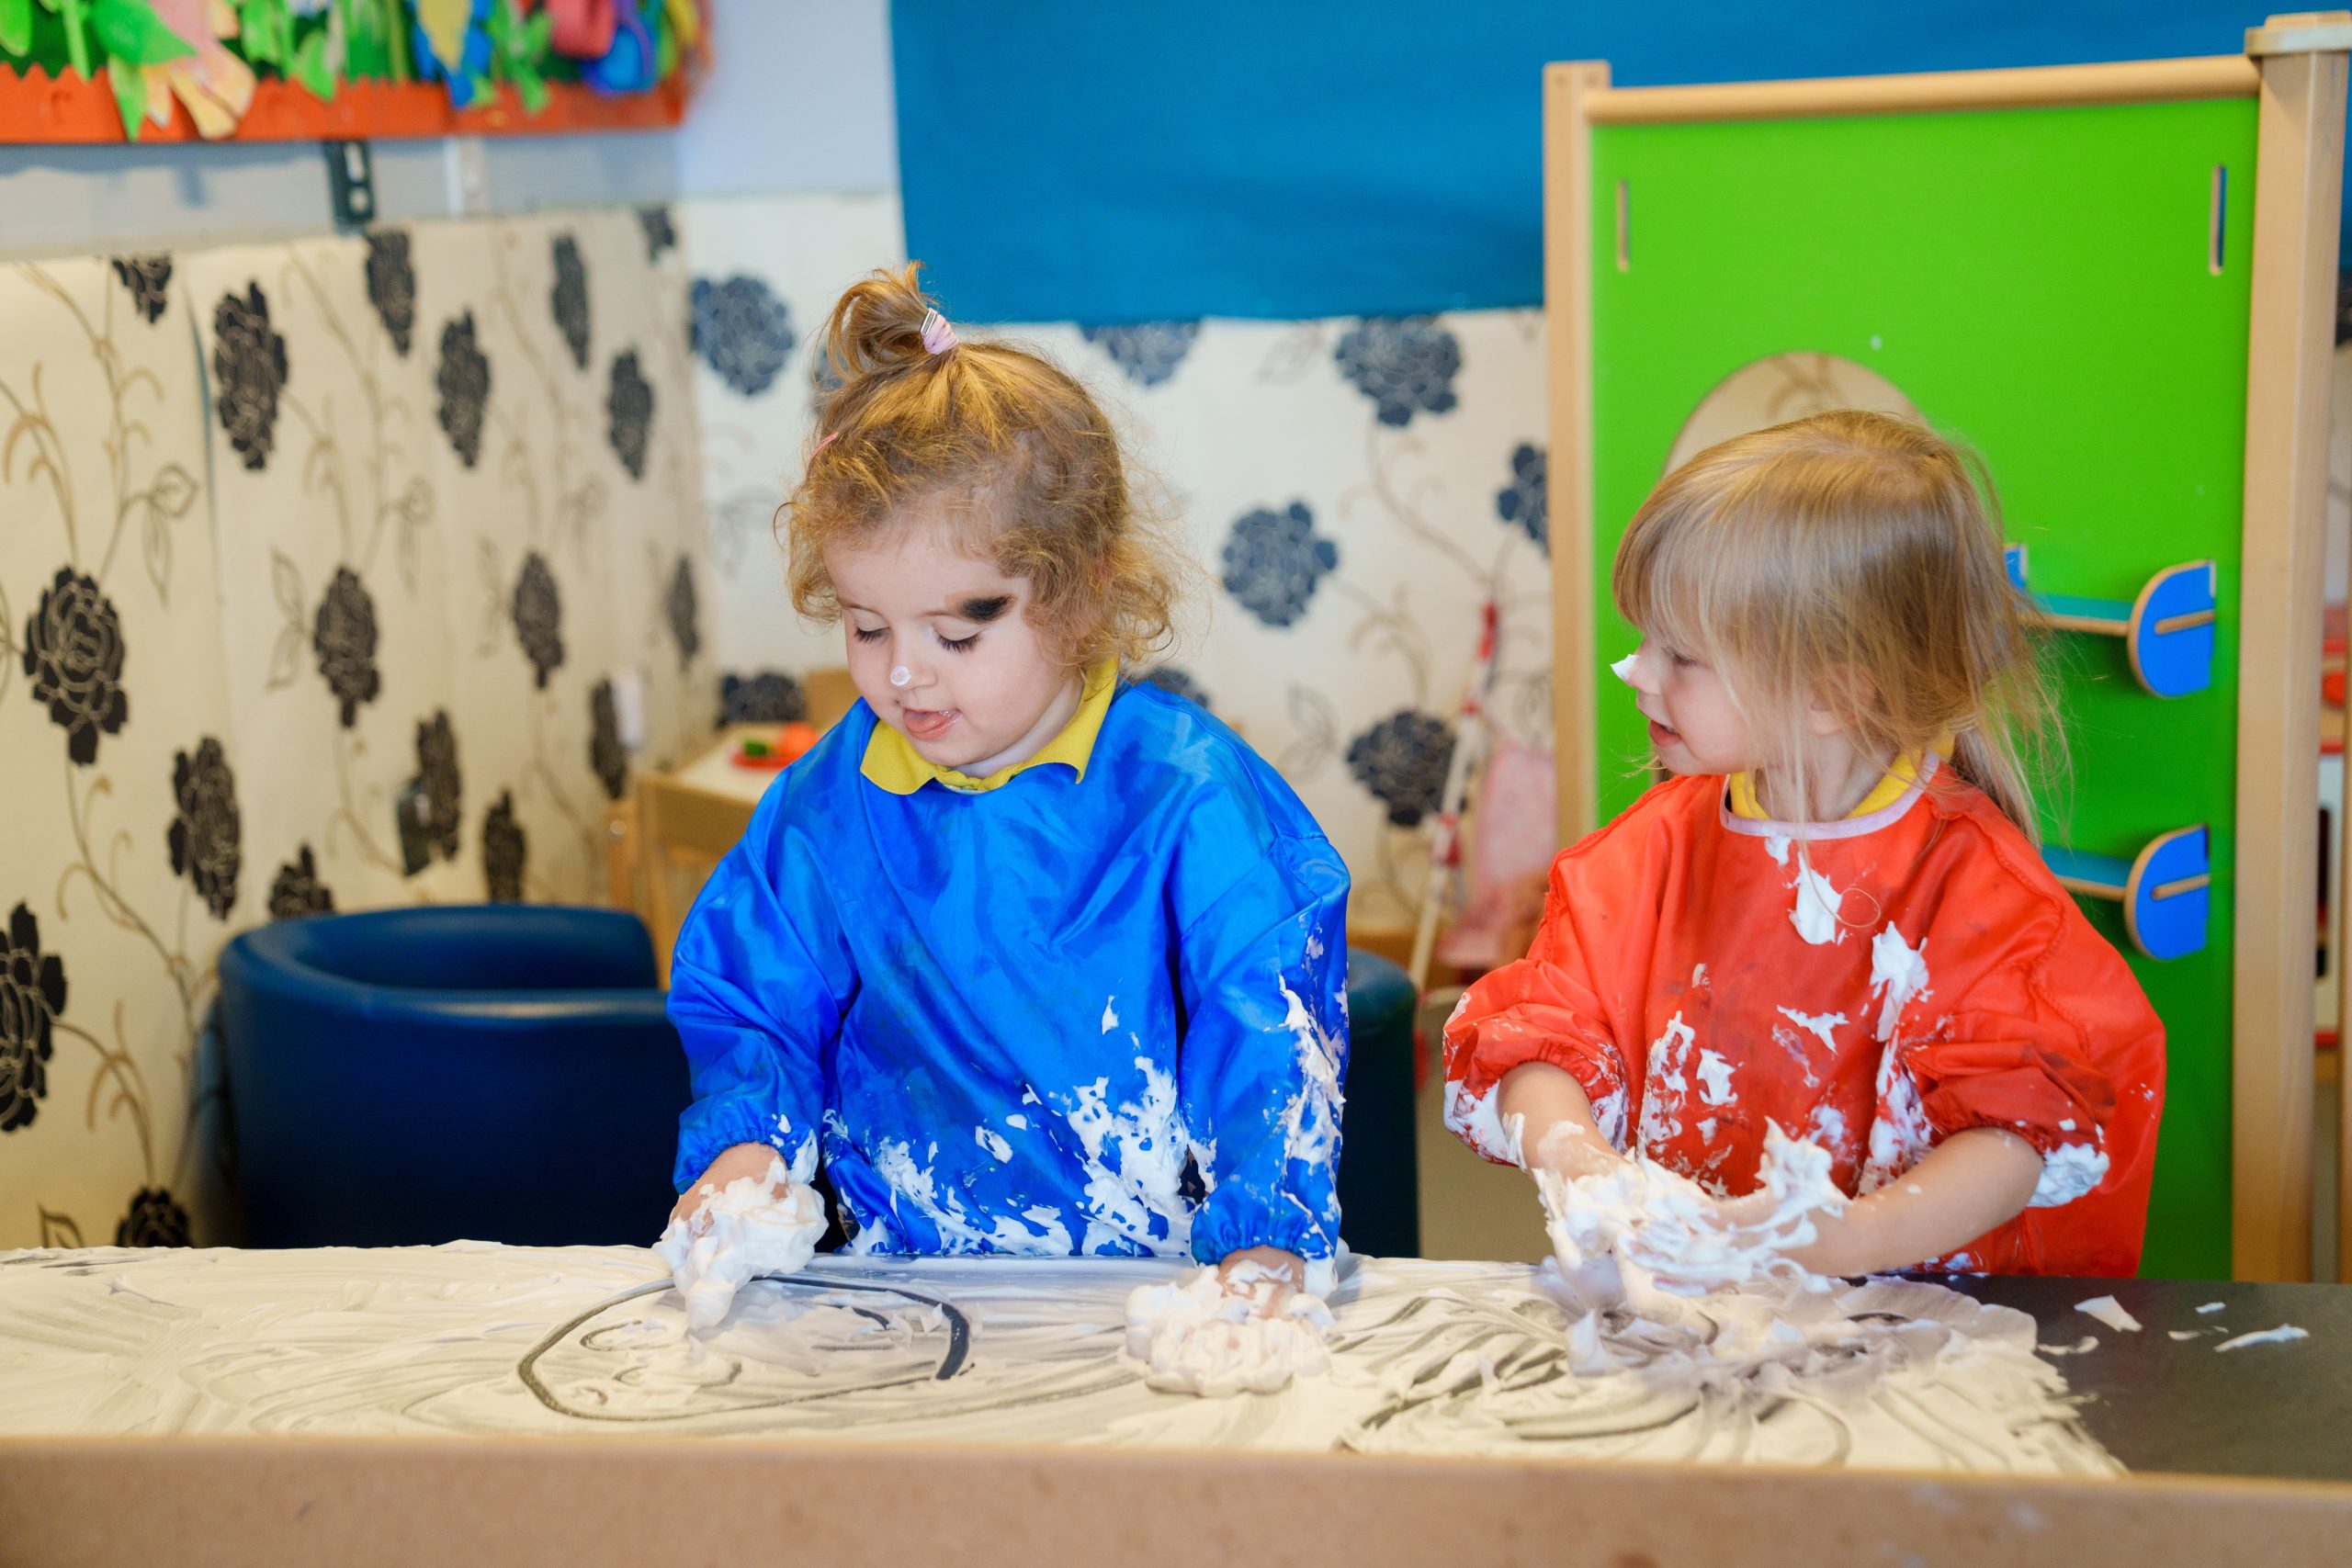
<point>2160,1404</point>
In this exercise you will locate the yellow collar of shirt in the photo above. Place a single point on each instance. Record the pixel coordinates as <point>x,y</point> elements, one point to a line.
<point>892,761</point>
<point>1900,776</point>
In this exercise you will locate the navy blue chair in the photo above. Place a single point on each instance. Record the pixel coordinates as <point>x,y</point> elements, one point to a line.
<point>1380,1208</point>
<point>502,1072</point>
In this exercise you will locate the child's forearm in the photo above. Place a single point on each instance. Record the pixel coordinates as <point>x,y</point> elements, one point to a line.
<point>1553,1117</point>
<point>1969,1184</point>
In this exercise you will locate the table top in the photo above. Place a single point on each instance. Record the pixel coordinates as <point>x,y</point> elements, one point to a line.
<point>2158,1403</point>
<point>1490,1359</point>
<point>713,770</point>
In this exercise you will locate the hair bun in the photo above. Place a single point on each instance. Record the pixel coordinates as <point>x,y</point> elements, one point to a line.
<point>876,327</point>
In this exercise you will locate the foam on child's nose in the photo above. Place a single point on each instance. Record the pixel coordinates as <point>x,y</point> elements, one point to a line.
<point>1623,668</point>
<point>901,676</point>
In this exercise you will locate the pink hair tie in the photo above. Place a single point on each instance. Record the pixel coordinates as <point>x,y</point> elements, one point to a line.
<point>820,446</point>
<point>938,337</point>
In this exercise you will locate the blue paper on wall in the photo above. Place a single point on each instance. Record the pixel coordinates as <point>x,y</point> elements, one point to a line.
<point>1072,160</point>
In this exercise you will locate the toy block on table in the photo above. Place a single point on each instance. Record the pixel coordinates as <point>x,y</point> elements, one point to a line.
<point>783,748</point>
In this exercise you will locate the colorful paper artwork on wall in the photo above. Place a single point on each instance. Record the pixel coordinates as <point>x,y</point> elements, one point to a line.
<point>88,71</point>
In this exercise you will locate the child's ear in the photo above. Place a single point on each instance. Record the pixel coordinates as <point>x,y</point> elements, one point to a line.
<point>1075,635</point>
<point>1844,692</point>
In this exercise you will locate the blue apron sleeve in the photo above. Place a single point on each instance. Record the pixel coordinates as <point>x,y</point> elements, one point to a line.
<point>758,987</point>
<point>1265,1051</point>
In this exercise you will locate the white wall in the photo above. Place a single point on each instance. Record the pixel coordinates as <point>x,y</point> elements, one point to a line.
<point>59,199</point>
<point>799,99</point>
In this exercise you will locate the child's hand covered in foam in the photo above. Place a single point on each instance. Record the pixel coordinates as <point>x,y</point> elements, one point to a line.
<point>1245,1327</point>
<point>754,1224</point>
<point>1669,1237</point>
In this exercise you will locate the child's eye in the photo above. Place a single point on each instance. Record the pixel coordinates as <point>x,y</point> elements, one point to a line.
<point>959,645</point>
<point>876,634</point>
<point>1682,660</point>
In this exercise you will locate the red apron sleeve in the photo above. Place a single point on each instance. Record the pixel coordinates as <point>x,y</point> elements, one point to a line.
<point>2033,1023</point>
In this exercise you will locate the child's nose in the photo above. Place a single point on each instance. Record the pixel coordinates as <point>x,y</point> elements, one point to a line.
<point>1641,671</point>
<point>910,671</point>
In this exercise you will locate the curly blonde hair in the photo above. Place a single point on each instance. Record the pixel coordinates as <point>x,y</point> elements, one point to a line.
<point>1002,446</point>
<point>1854,558</point>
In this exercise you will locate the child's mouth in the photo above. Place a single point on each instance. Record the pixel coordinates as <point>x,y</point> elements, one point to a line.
<point>927,724</point>
<point>1660,734</point>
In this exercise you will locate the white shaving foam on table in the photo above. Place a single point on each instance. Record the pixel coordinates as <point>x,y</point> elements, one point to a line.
<point>747,1229</point>
<point>2277,1335</point>
<point>1675,1303</point>
<point>2211,1306</point>
<point>2108,1311</point>
<point>1669,1239</point>
<point>1219,1335</point>
<point>1487,1360</point>
<point>2082,1346</point>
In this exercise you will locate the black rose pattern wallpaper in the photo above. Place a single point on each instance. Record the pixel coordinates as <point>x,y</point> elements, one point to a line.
<point>332,552</point>
<point>130,855</point>
<point>1354,491</point>
<point>765,272</point>
<point>568,534</point>
<point>302,536</point>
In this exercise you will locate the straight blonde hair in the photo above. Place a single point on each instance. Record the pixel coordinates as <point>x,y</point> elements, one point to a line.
<point>1851,559</point>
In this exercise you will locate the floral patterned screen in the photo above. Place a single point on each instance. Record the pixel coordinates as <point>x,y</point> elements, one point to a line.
<point>335,570</point>
<point>766,272</point>
<point>1355,491</point>
<point>122,870</point>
